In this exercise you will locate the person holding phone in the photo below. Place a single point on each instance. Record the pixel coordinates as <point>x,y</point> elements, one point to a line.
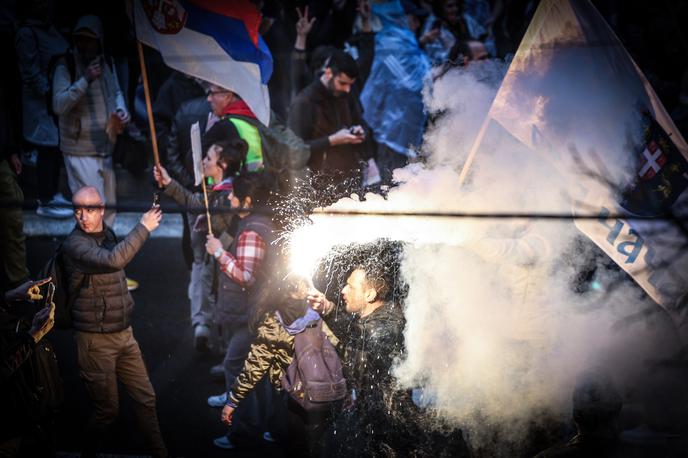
<point>91,111</point>
<point>329,118</point>
<point>108,352</point>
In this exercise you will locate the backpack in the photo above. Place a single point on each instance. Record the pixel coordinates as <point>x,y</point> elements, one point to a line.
<point>314,379</point>
<point>285,154</point>
<point>63,298</point>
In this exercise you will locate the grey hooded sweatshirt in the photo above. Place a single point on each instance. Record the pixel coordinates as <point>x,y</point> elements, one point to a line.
<point>84,108</point>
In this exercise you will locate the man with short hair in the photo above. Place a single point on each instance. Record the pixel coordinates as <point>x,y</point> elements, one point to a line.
<point>101,315</point>
<point>328,116</point>
<point>371,339</point>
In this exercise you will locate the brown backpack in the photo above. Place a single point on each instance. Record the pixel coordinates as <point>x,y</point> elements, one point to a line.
<point>314,379</point>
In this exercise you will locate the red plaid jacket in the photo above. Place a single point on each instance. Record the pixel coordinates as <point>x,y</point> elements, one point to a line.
<point>250,254</point>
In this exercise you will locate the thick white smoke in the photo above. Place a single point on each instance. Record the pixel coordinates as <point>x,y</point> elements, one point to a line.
<point>496,333</point>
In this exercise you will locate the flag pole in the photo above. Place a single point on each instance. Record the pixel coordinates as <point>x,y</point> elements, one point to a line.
<point>149,108</point>
<point>207,211</point>
<point>474,150</point>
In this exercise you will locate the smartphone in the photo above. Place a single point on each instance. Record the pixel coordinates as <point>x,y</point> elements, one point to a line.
<point>50,294</point>
<point>156,199</point>
<point>353,131</point>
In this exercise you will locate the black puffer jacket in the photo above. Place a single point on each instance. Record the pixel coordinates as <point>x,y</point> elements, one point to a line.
<point>95,264</point>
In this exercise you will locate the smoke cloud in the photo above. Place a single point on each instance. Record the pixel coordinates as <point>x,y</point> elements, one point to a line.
<point>497,331</point>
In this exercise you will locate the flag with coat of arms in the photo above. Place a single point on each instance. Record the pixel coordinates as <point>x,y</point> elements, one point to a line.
<point>574,95</point>
<point>216,41</point>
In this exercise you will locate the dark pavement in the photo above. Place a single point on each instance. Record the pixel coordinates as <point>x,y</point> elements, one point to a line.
<point>179,374</point>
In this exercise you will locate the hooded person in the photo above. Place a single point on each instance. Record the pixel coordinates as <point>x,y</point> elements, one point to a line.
<point>91,111</point>
<point>392,98</point>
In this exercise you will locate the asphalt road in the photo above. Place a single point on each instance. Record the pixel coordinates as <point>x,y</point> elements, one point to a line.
<point>179,374</point>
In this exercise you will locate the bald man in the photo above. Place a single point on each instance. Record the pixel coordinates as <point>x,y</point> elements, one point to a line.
<point>101,315</point>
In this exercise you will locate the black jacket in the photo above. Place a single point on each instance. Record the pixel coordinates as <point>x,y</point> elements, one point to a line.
<point>16,396</point>
<point>316,114</point>
<point>179,159</point>
<point>383,416</point>
<point>368,347</point>
<point>95,266</point>
<point>176,90</point>
<point>304,68</point>
<point>30,384</point>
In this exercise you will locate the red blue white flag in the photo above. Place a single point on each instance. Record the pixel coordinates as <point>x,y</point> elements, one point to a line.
<point>214,40</point>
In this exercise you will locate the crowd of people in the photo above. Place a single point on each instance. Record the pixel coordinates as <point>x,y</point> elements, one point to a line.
<point>347,110</point>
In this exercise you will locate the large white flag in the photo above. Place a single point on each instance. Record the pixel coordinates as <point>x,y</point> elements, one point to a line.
<point>573,94</point>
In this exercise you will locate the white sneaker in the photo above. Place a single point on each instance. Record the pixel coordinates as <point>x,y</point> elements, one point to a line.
<point>268,437</point>
<point>218,401</point>
<point>50,210</point>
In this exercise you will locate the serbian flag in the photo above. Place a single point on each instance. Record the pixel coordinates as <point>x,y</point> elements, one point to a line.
<point>214,40</point>
<point>574,96</point>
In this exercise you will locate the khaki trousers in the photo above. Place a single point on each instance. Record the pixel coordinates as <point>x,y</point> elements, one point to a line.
<point>103,360</point>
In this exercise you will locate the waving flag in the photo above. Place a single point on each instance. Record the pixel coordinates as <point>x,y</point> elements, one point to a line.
<point>574,95</point>
<point>217,41</point>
